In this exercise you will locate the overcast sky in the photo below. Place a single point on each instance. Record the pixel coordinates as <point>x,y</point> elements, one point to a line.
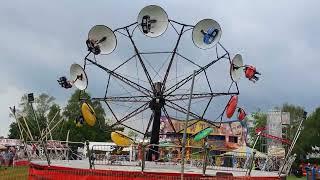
<point>40,39</point>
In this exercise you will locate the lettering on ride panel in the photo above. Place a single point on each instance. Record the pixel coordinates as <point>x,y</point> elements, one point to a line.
<point>192,128</point>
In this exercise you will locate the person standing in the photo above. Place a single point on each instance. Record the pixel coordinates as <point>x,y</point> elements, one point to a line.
<point>314,172</point>
<point>308,170</point>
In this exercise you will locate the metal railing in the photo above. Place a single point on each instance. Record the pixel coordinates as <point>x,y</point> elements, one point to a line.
<point>170,157</point>
<point>112,155</point>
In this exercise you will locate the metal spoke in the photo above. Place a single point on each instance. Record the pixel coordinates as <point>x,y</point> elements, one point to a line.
<point>123,98</point>
<point>185,111</point>
<point>135,112</point>
<point>171,60</point>
<point>181,97</point>
<point>124,62</point>
<point>205,109</point>
<point>141,61</point>
<point>170,122</point>
<point>182,24</point>
<point>125,27</point>
<point>183,57</point>
<point>188,78</point>
<point>205,73</point>
<point>129,128</point>
<point>134,85</point>
<point>113,114</point>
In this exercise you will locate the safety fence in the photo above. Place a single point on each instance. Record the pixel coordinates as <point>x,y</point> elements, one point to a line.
<point>111,155</point>
<point>170,157</point>
<point>136,155</point>
<point>133,162</point>
<point>53,172</point>
<point>54,150</point>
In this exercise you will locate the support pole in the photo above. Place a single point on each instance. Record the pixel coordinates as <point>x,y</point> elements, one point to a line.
<point>185,128</point>
<point>252,153</point>
<point>252,162</point>
<point>155,105</point>
<point>35,117</point>
<point>15,117</point>
<point>13,111</point>
<point>293,143</point>
<point>205,158</point>
<point>67,145</point>
<point>143,159</point>
<point>154,140</point>
<point>44,144</point>
<point>88,154</point>
<point>25,122</point>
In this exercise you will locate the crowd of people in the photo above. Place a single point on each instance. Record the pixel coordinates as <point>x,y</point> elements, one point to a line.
<point>310,170</point>
<point>7,156</point>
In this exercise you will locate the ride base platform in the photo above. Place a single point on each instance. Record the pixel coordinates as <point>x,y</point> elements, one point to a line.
<point>79,169</point>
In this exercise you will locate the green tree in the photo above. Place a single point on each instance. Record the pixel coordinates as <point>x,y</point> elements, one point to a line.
<point>310,135</point>
<point>34,119</point>
<point>296,114</point>
<point>55,119</point>
<point>289,131</point>
<point>14,131</point>
<point>50,113</point>
<point>72,112</point>
<point>259,121</point>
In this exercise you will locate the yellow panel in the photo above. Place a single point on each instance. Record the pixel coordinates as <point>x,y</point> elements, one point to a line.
<point>121,139</point>
<point>88,114</point>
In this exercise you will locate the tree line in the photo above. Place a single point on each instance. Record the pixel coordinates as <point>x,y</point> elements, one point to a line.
<point>49,113</point>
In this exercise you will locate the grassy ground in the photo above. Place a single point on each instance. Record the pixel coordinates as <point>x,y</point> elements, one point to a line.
<point>14,173</point>
<point>295,178</point>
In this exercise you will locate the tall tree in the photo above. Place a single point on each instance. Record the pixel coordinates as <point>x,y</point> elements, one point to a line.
<point>310,135</point>
<point>32,120</point>
<point>296,114</point>
<point>72,112</point>
<point>259,121</point>
<point>14,131</point>
<point>55,120</point>
<point>50,113</point>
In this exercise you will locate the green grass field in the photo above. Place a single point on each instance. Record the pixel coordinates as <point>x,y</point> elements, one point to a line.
<point>295,178</point>
<point>14,173</point>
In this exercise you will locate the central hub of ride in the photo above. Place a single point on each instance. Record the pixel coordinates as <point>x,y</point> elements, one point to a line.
<point>156,104</point>
<point>157,101</point>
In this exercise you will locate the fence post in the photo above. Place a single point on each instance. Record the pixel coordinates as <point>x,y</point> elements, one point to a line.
<point>89,154</point>
<point>205,158</point>
<point>26,150</point>
<point>252,162</point>
<point>44,144</point>
<point>143,157</point>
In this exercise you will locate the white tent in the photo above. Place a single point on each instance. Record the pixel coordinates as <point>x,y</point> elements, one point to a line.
<point>245,151</point>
